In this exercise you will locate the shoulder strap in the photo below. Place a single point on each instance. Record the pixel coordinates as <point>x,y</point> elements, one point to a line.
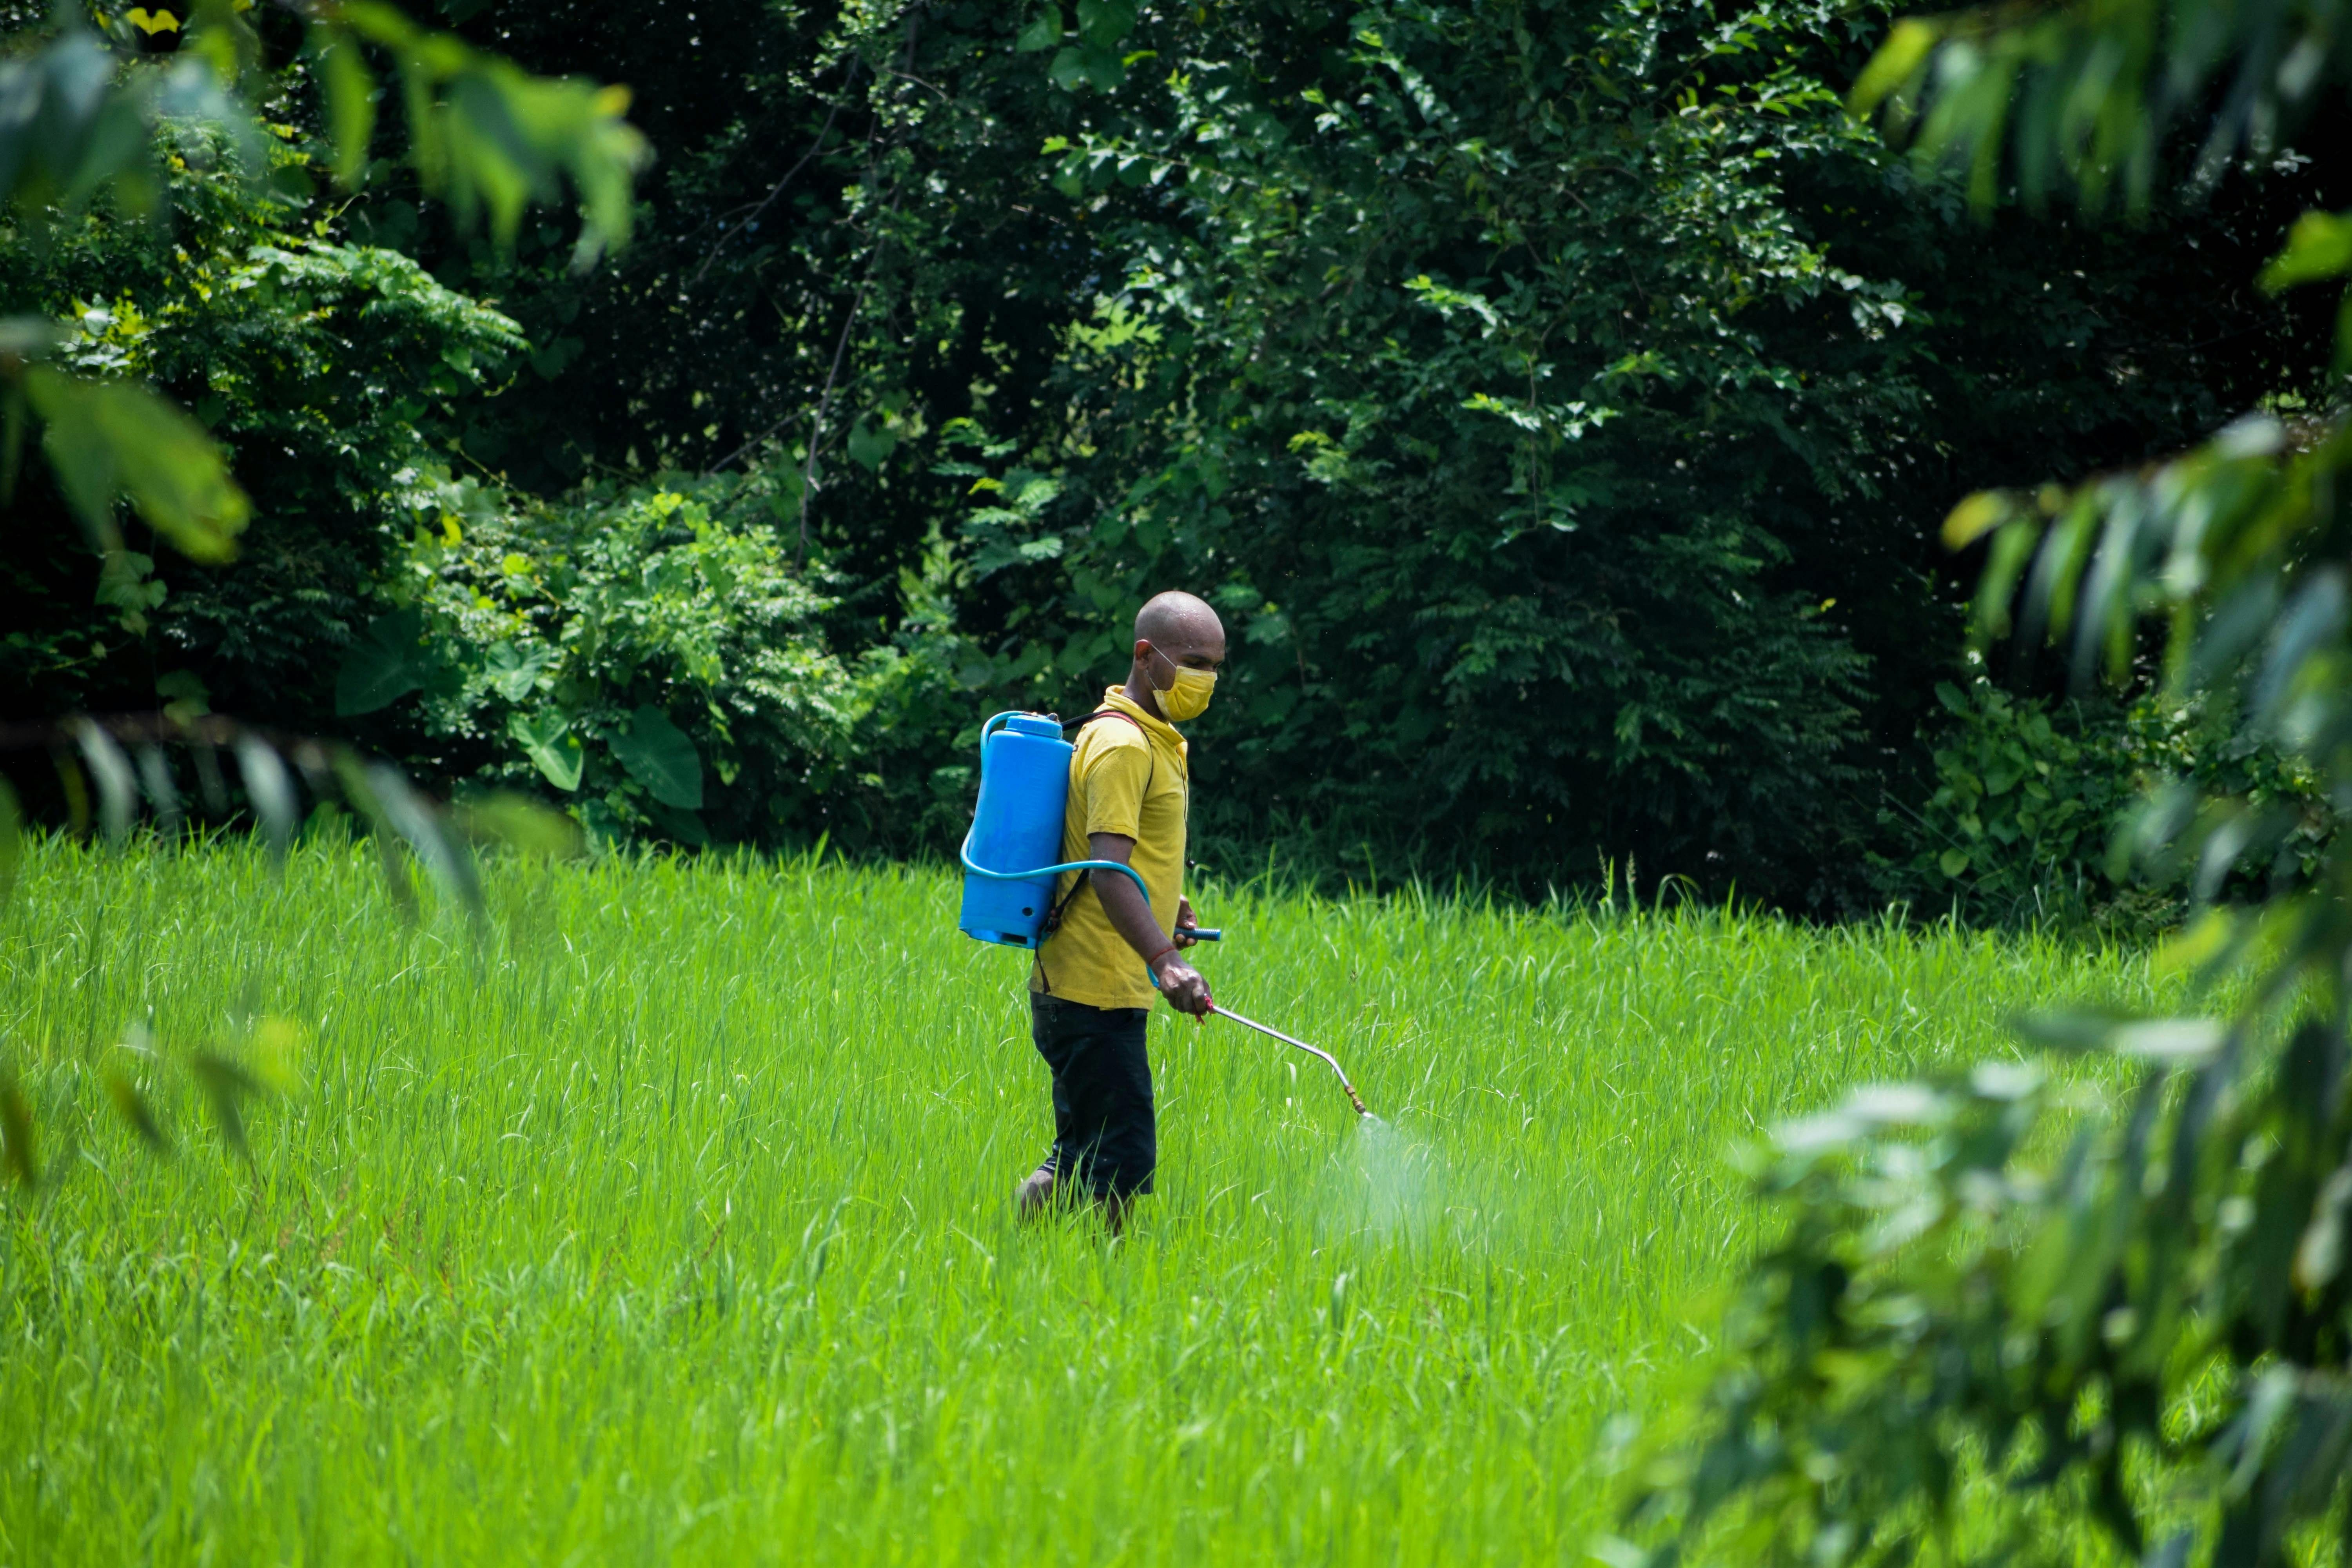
<point>1103,713</point>
<point>1151,752</point>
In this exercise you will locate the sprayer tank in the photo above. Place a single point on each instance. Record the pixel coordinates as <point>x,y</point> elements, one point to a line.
<point>1025,787</point>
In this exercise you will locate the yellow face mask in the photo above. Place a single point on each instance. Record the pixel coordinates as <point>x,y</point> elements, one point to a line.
<point>1188,697</point>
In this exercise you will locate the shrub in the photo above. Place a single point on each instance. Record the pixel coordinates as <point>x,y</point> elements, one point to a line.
<point>2033,801</point>
<point>650,657</point>
<point>334,375</point>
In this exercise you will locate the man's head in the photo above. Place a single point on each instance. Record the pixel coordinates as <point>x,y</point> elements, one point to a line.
<point>1175,632</point>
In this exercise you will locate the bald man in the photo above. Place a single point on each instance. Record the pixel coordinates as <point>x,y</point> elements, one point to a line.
<point>1107,952</point>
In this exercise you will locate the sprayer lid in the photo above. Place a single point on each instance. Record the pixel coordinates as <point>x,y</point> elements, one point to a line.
<point>1034,724</point>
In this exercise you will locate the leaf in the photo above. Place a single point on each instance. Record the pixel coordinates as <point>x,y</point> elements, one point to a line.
<point>12,842</point>
<point>109,438</point>
<point>226,1085</point>
<point>1952,862</point>
<point>490,136</point>
<point>549,742</point>
<point>658,756</point>
<point>155,778</point>
<point>514,673</point>
<point>1068,69</point>
<point>383,665</point>
<point>17,1146</point>
<point>519,823</point>
<point>117,791</point>
<point>1104,68</point>
<point>1898,1104</point>
<point>1000,553</point>
<point>351,106</point>
<point>1898,60</point>
<point>1103,23</point>
<point>2318,247</point>
<point>30,337</point>
<point>2311,624</point>
<point>2195,945</point>
<point>870,445</point>
<point>271,790</point>
<point>1040,35</point>
<point>69,127</point>
<point>359,792</point>
<point>2319,1255</point>
<point>418,825</point>
<point>1976,516</point>
<point>275,1054</point>
<point>132,1107</point>
<point>2169,1039</point>
<point>685,826</point>
<point>185,695</point>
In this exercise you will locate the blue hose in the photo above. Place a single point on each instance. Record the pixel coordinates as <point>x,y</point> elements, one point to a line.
<point>978,870</point>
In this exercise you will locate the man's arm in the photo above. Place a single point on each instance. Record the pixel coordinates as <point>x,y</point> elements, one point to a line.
<point>1131,916</point>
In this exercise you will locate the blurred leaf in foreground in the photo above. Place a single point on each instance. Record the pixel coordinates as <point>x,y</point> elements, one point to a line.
<point>118,795</point>
<point>228,1084</point>
<point>16,1148</point>
<point>2083,96</point>
<point>132,1107</point>
<point>276,1055</point>
<point>73,123</point>
<point>12,842</point>
<point>2150,1334</point>
<point>110,439</point>
<point>271,789</point>
<point>421,827</point>
<point>485,133</point>
<point>520,824</point>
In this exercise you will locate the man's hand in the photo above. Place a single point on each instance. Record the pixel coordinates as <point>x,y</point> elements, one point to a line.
<point>1131,918</point>
<point>1182,983</point>
<point>1185,922</point>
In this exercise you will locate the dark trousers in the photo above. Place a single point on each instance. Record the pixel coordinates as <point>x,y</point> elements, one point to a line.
<point>1105,1136</point>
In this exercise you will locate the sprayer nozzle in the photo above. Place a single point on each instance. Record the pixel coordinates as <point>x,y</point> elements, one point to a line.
<point>1327,1057</point>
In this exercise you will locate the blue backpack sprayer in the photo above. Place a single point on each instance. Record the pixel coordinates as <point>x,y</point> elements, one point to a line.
<point>1024,790</point>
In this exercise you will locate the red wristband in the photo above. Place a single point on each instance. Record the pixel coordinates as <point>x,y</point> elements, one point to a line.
<point>1156,958</point>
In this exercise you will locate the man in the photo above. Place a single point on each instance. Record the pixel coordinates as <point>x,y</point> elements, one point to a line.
<point>1106,952</point>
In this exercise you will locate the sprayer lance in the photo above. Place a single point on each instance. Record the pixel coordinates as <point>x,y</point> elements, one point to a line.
<point>1353,1098</point>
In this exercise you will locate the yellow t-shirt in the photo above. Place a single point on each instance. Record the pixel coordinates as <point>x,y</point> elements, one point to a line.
<point>1124,778</point>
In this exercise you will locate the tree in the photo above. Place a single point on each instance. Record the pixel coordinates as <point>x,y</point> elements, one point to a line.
<point>857,272</point>
<point>2154,1333</point>
<point>968,386</point>
<point>331,375</point>
<point>77,119</point>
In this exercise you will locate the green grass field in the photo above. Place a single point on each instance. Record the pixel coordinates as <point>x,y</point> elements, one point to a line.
<point>668,1221</point>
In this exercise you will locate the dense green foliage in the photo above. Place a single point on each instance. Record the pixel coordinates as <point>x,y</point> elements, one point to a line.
<point>99,107</point>
<point>2148,1324</point>
<point>1555,399</point>
<point>670,1223</point>
<point>545,644</point>
<point>330,372</point>
<point>2029,815</point>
